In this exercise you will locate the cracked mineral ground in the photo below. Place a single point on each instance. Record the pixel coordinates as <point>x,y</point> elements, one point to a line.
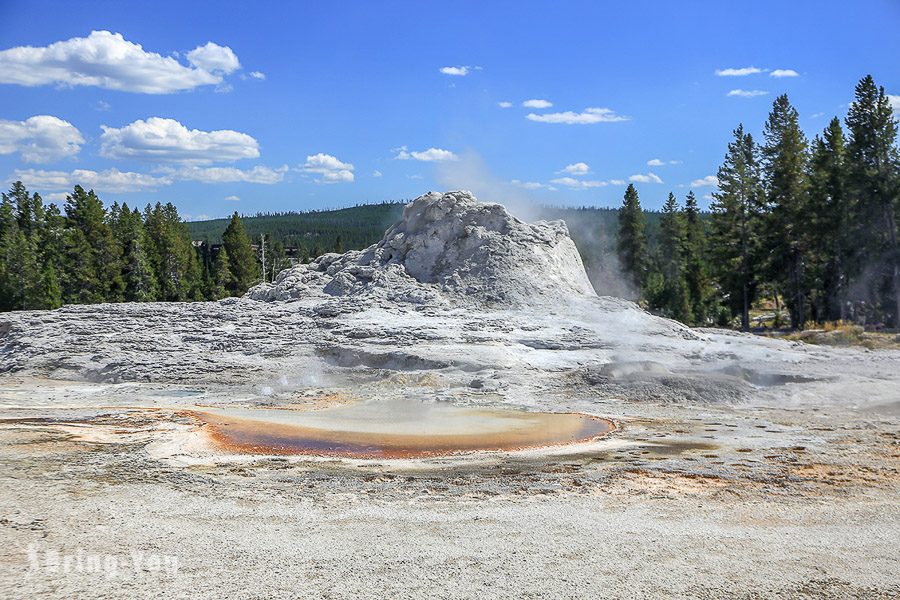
<point>452,412</point>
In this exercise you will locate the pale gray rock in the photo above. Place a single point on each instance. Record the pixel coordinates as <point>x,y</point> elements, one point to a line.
<point>449,243</point>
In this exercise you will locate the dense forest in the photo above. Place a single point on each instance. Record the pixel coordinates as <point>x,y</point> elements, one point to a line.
<point>810,225</point>
<point>313,232</point>
<point>86,254</point>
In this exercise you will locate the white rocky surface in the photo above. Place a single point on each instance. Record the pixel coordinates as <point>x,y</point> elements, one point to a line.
<point>449,243</point>
<point>743,466</point>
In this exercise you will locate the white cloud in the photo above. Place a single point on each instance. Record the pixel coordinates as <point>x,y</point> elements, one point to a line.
<point>459,71</point>
<point>537,103</point>
<point>376,173</point>
<point>214,58</point>
<point>233,198</point>
<point>645,178</point>
<point>110,180</point>
<point>895,102</point>
<point>577,169</point>
<point>579,184</point>
<point>743,71</point>
<point>257,75</point>
<point>257,174</point>
<point>746,93</point>
<point>430,155</point>
<point>416,177</point>
<point>617,182</point>
<point>587,117</point>
<point>40,139</point>
<point>102,106</point>
<point>821,114</point>
<point>167,140</point>
<point>504,104</point>
<point>655,162</point>
<point>532,185</point>
<point>108,60</point>
<point>708,181</point>
<point>329,168</point>
<point>784,73</point>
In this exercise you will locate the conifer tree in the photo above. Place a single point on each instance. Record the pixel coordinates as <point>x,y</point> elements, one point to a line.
<point>674,297</point>
<point>93,249</point>
<point>737,224</point>
<point>137,272</point>
<point>696,273</point>
<point>788,222</point>
<point>221,275</point>
<point>632,242</point>
<point>874,181</point>
<point>242,262</point>
<point>830,223</point>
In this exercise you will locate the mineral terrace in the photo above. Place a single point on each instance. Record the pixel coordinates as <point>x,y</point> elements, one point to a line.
<point>452,412</point>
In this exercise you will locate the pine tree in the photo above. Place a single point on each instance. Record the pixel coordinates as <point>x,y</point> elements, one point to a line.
<point>93,249</point>
<point>788,222</point>
<point>737,224</point>
<point>874,181</point>
<point>221,275</point>
<point>632,242</point>
<point>830,211</point>
<point>696,274</point>
<point>671,264</point>
<point>241,259</point>
<point>171,254</point>
<point>137,271</point>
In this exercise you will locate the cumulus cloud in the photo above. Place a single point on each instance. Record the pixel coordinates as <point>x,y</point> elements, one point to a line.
<point>578,184</point>
<point>329,169</point>
<point>784,73</point>
<point>586,117</point>
<point>233,198</point>
<point>167,140</point>
<point>532,185</point>
<point>537,103</point>
<point>214,58</point>
<point>110,180</point>
<point>40,139</point>
<point>895,102</point>
<point>258,174</point>
<point>741,72</point>
<point>107,60</point>
<point>746,93</point>
<point>257,75</point>
<point>708,181</point>
<point>430,155</point>
<point>645,178</point>
<point>376,173</point>
<point>655,162</point>
<point>504,104</point>
<point>459,71</point>
<point>578,169</point>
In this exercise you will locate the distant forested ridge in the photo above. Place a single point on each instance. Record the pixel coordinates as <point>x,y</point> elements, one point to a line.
<point>358,226</point>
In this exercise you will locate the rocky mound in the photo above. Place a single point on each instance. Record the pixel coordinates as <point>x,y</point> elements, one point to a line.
<point>448,244</point>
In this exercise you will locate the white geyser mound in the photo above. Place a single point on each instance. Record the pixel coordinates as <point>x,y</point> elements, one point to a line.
<point>448,244</point>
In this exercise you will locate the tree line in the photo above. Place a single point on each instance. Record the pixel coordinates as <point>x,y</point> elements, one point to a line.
<point>809,223</point>
<point>85,254</point>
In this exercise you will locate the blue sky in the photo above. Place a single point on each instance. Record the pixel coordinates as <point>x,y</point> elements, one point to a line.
<point>295,106</point>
